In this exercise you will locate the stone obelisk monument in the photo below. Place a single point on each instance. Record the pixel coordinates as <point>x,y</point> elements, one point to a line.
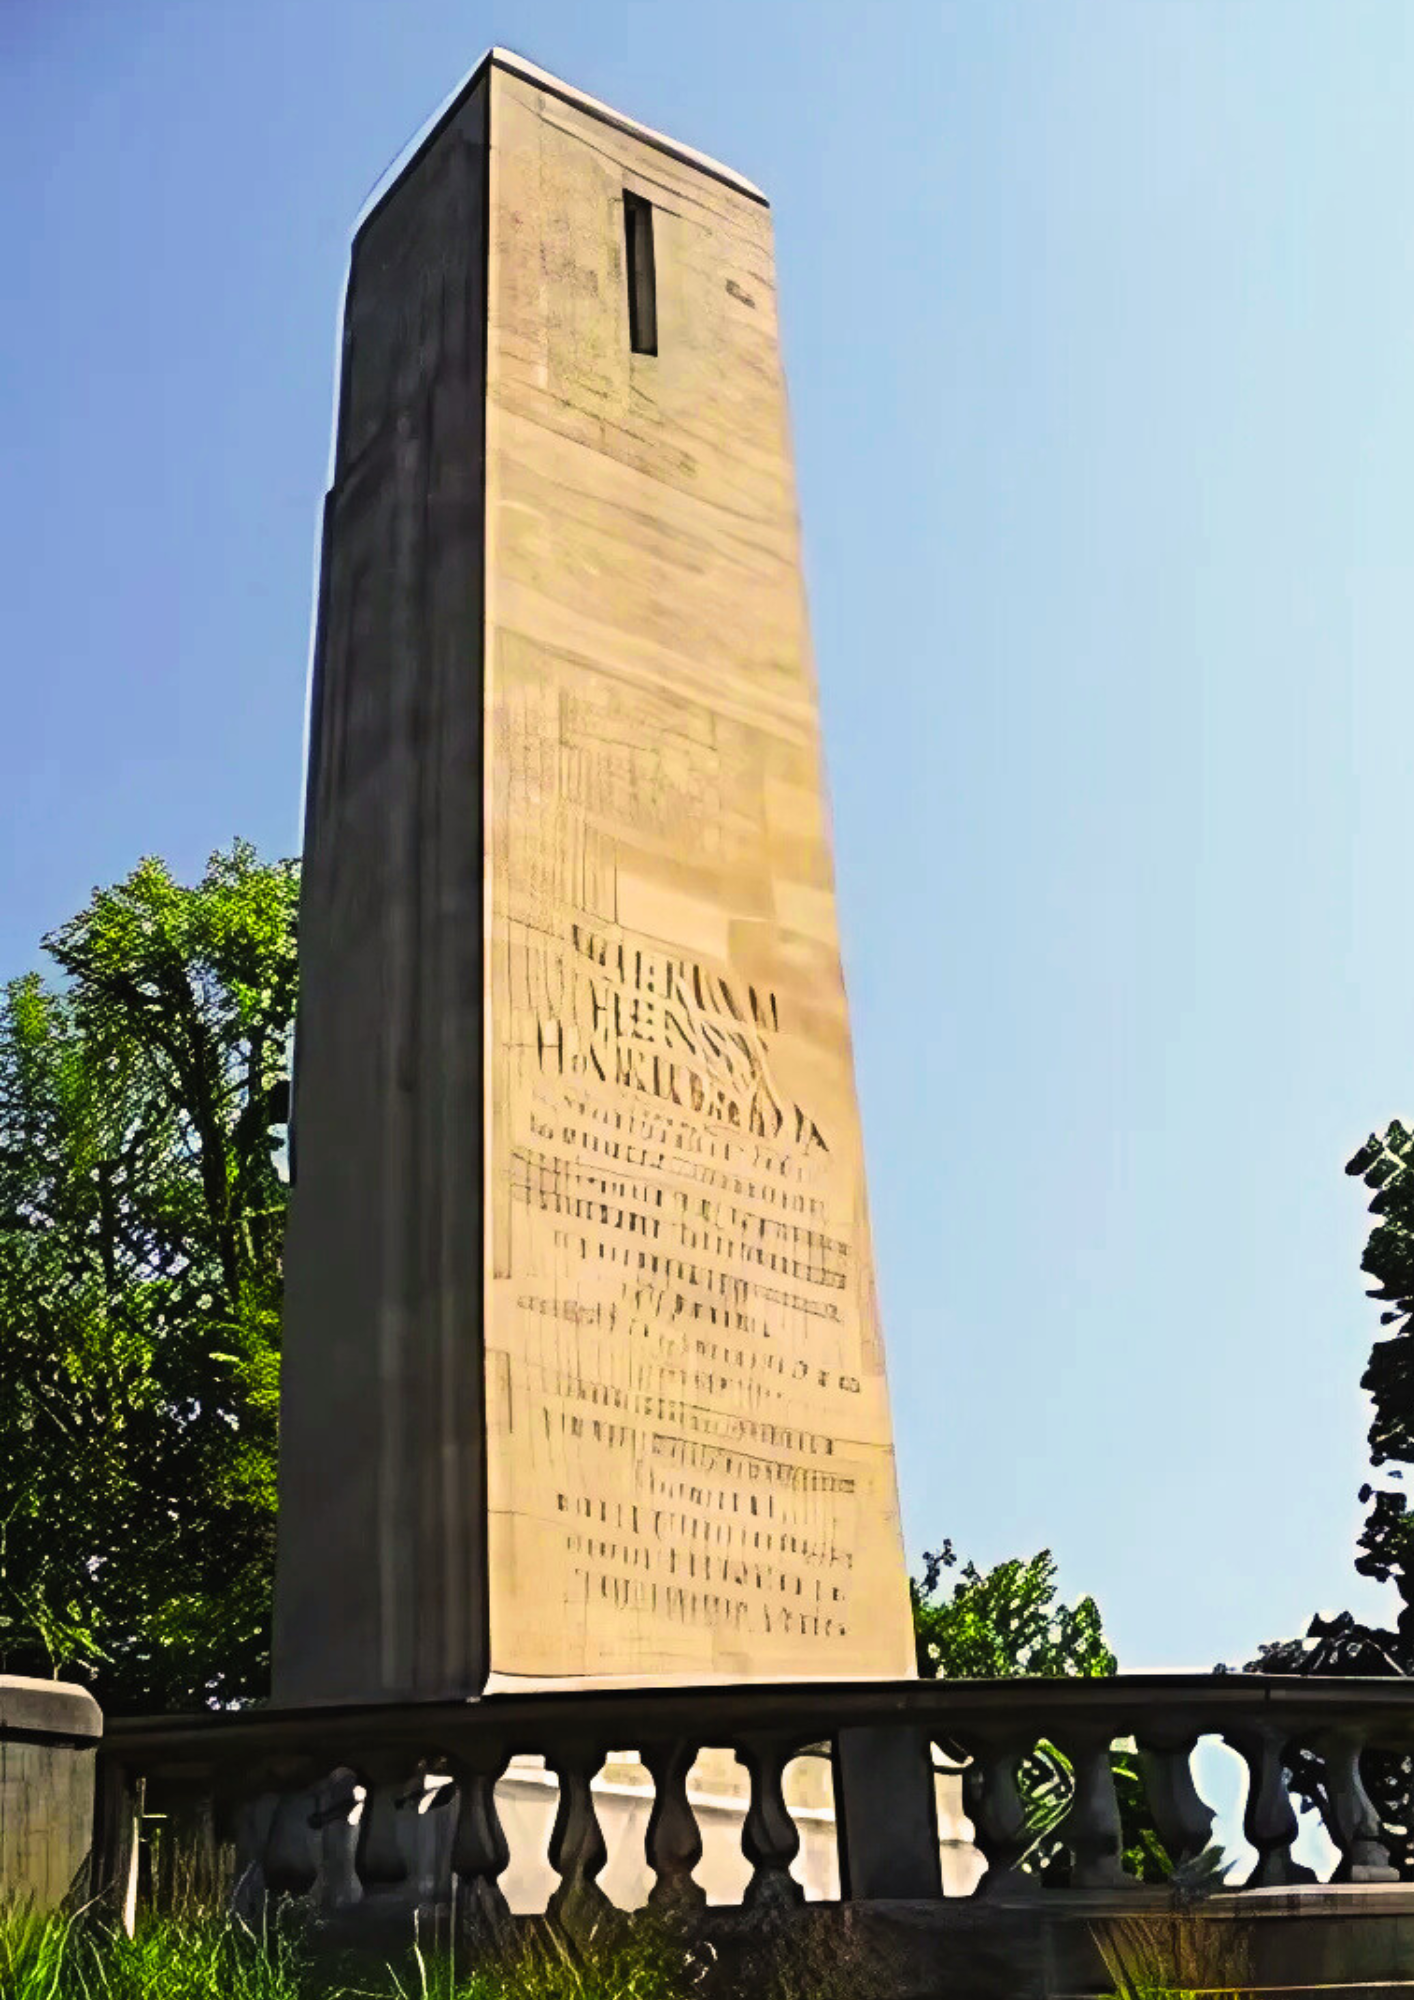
<point>583,1376</point>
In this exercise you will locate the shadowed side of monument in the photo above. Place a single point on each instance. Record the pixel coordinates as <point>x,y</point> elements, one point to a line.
<point>584,1378</point>
<point>380,1587</point>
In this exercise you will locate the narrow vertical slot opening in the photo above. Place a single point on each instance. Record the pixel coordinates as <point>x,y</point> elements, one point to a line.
<point>642,283</point>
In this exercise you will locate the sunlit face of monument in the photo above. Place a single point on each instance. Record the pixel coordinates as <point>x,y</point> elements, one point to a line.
<point>583,1375</point>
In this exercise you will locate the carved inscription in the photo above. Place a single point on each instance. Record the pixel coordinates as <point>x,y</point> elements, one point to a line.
<point>684,1361</point>
<point>714,1240</point>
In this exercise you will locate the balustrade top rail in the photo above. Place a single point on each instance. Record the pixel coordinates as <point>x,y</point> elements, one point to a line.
<point>1379,1711</point>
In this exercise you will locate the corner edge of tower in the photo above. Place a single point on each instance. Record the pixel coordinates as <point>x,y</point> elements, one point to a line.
<point>512,64</point>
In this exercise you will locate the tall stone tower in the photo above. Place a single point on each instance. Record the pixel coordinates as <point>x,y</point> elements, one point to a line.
<point>583,1376</point>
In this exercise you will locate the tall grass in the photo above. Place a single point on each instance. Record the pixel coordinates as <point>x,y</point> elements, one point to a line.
<point>72,1958</point>
<point>643,1962</point>
<point>1175,1956</point>
<point>205,1958</point>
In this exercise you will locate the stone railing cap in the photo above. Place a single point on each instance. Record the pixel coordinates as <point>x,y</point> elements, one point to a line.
<point>47,1708</point>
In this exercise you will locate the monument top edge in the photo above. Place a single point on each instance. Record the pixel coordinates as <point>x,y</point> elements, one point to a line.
<point>505,59</point>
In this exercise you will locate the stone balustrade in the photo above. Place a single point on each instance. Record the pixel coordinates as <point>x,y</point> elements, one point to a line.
<point>390,1812</point>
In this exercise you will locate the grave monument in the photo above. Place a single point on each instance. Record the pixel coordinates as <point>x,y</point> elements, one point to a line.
<point>583,1379</point>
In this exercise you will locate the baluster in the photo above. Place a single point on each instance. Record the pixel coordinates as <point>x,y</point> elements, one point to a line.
<point>292,1848</point>
<point>200,1844</point>
<point>1269,1821</point>
<point>382,1853</point>
<point>114,1859</point>
<point>252,1821</point>
<point>431,1817</point>
<point>428,1833</point>
<point>1351,1819</point>
<point>1091,1829</point>
<point>770,1839</point>
<point>480,1854</point>
<point>993,1800</point>
<point>577,1850</point>
<point>674,1841</point>
<point>335,1801</point>
<point>1183,1818</point>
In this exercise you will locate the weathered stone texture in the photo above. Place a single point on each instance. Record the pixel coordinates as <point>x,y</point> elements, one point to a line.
<point>48,1736</point>
<point>690,1471</point>
<point>381,1479</point>
<point>570,913</point>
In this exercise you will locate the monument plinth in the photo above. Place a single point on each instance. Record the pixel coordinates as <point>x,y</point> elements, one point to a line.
<point>583,1374</point>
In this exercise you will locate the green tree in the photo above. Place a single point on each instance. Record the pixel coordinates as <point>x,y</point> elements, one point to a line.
<point>1340,1644</point>
<point>143,1100</point>
<point>1386,1165</point>
<point>1004,1623</point>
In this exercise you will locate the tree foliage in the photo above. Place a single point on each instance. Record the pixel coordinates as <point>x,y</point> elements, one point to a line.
<point>143,1099</point>
<point>1386,1165</point>
<point>1006,1622</point>
<point>1003,1623</point>
<point>1340,1644</point>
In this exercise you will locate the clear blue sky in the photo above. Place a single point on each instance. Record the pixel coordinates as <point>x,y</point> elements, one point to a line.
<point>1100,332</point>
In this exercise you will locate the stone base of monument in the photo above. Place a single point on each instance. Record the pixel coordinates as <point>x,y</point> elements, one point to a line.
<point>49,1735</point>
